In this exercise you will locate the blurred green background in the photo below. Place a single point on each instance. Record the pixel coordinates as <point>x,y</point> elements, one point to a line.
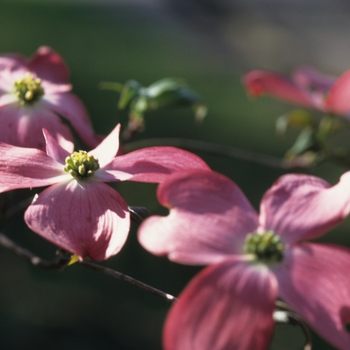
<point>210,45</point>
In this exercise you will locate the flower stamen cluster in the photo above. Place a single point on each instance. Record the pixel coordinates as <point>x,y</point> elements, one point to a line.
<point>81,165</point>
<point>28,90</point>
<point>266,247</point>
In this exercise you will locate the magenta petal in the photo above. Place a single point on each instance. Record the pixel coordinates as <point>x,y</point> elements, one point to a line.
<point>108,148</point>
<point>314,280</point>
<point>303,207</point>
<point>88,219</point>
<point>259,82</point>
<point>227,306</point>
<point>22,126</point>
<point>27,167</point>
<point>152,164</point>
<point>338,99</point>
<point>208,221</point>
<point>70,107</point>
<point>48,65</point>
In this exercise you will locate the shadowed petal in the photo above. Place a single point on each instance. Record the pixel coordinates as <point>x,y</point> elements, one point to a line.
<point>108,148</point>
<point>27,167</point>
<point>227,306</point>
<point>338,100</point>
<point>71,108</point>
<point>303,207</point>
<point>260,82</point>
<point>48,65</point>
<point>88,219</point>
<point>22,126</point>
<point>314,280</point>
<point>152,164</point>
<point>208,221</point>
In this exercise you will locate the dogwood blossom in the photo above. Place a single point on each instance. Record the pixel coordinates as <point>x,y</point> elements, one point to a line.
<point>33,94</point>
<point>306,87</point>
<point>254,259</point>
<point>79,212</point>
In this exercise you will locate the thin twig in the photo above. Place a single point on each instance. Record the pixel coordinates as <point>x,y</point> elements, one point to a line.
<point>59,261</point>
<point>62,260</point>
<point>126,278</point>
<point>211,148</point>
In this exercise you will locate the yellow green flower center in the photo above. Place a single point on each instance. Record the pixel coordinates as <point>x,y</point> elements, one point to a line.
<point>81,165</point>
<point>28,89</point>
<point>266,247</point>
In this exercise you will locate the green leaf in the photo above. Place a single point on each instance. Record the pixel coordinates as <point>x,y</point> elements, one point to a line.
<point>130,90</point>
<point>305,142</point>
<point>328,126</point>
<point>171,92</point>
<point>298,118</point>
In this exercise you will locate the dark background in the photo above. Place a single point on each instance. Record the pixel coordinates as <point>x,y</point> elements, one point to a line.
<point>210,44</point>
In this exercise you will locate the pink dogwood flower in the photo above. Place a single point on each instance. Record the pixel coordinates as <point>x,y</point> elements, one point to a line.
<point>254,259</point>
<point>33,94</point>
<point>306,87</point>
<point>79,212</point>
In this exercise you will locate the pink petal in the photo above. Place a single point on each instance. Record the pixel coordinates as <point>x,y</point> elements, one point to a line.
<point>208,221</point>
<point>314,280</point>
<point>338,100</point>
<point>27,167</point>
<point>8,78</point>
<point>70,107</point>
<point>108,148</point>
<point>259,82</point>
<point>48,65</point>
<point>89,219</point>
<point>7,99</point>
<point>22,126</point>
<point>312,79</point>
<point>303,207</point>
<point>152,164</point>
<point>227,306</point>
<point>58,149</point>
<point>11,61</point>
<point>52,88</point>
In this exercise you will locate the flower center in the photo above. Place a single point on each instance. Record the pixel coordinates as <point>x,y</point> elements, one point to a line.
<point>81,165</point>
<point>28,89</point>
<point>266,247</point>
